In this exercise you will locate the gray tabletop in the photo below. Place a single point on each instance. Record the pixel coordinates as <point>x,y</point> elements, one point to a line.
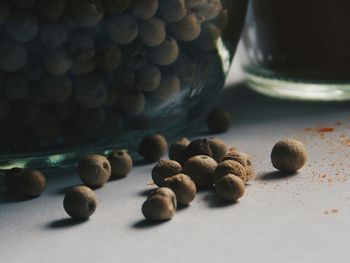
<point>300,218</point>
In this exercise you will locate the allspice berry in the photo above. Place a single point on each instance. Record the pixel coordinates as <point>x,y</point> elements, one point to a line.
<point>81,47</point>
<point>230,167</point>
<point>32,183</point>
<point>230,188</point>
<point>57,62</point>
<point>166,53</point>
<point>218,148</point>
<point>13,55</point>
<point>177,150</point>
<point>183,187</point>
<point>218,120</point>
<point>160,205</point>
<point>22,27</point>
<point>245,160</point>
<point>169,86</point>
<point>109,56</point>
<point>153,147</point>
<point>198,147</point>
<point>53,34</point>
<point>11,180</point>
<point>94,170</point>
<point>195,4</point>
<point>288,155</point>
<point>90,91</point>
<point>51,9</point>
<point>208,39</point>
<point>210,10</point>
<point>80,202</point>
<point>148,78</point>
<point>144,9</point>
<point>152,31</point>
<point>163,170</point>
<point>116,6</point>
<point>87,13</point>
<point>132,102</point>
<point>201,169</point>
<point>172,10</point>
<point>187,29</point>
<point>81,68</point>
<point>121,163</point>
<point>121,29</point>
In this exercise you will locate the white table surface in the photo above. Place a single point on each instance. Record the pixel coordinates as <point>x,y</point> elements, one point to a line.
<point>300,218</point>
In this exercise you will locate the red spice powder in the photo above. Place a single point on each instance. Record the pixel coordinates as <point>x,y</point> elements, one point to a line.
<point>326,129</point>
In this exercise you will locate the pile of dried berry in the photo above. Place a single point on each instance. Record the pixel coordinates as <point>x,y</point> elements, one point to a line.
<point>73,71</point>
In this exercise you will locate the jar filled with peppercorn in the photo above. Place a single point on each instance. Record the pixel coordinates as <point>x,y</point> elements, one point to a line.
<point>83,75</point>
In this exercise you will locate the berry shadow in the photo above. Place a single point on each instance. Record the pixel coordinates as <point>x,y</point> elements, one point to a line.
<point>146,192</point>
<point>144,224</point>
<point>65,223</point>
<point>275,175</point>
<point>214,201</point>
<point>6,197</point>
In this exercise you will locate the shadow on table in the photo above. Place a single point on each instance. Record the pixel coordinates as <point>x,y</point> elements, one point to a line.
<point>6,197</point>
<point>144,224</point>
<point>274,175</point>
<point>65,223</point>
<point>214,201</point>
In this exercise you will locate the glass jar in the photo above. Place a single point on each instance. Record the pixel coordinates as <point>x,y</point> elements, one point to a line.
<point>299,49</point>
<point>94,75</point>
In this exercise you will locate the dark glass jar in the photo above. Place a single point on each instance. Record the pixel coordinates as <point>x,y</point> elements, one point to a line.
<point>299,49</point>
<point>94,75</point>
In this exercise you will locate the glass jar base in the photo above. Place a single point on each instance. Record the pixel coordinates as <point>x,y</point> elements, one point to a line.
<point>298,89</point>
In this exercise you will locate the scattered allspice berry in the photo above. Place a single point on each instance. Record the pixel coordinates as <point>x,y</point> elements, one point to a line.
<point>288,155</point>
<point>11,180</point>
<point>121,163</point>
<point>32,183</point>
<point>218,120</point>
<point>183,187</point>
<point>201,169</point>
<point>230,167</point>
<point>163,170</point>
<point>230,188</point>
<point>218,148</point>
<point>177,150</point>
<point>80,202</point>
<point>160,205</point>
<point>153,147</point>
<point>198,147</point>
<point>94,170</point>
<point>245,160</point>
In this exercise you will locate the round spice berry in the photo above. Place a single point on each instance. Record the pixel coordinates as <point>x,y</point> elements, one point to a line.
<point>218,120</point>
<point>167,88</point>
<point>94,170</point>
<point>57,62</point>
<point>177,150</point>
<point>160,205</point>
<point>144,9</point>
<point>172,10</point>
<point>183,187</point>
<point>121,163</point>
<point>13,55</point>
<point>121,29</point>
<point>32,183</point>
<point>218,148</point>
<point>152,31</point>
<point>116,6</point>
<point>195,4</point>
<point>22,27</point>
<point>87,13</point>
<point>80,202</point>
<point>187,29</point>
<point>201,169</point>
<point>82,47</point>
<point>153,147</point>
<point>81,68</point>
<point>288,155</point>
<point>198,147</point>
<point>166,53</point>
<point>11,180</point>
<point>51,9</point>
<point>54,34</point>
<point>210,10</point>
<point>230,167</point>
<point>109,57</point>
<point>132,103</point>
<point>230,188</point>
<point>245,160</point>
<point>163,170</point>
<point>208,39</point>
<point>148,78</point>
